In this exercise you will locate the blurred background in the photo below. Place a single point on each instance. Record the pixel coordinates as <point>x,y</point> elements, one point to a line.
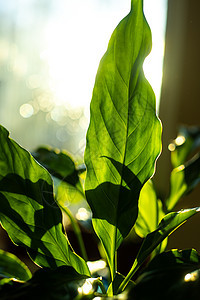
<point>180,103</point>
<point>49,55</point>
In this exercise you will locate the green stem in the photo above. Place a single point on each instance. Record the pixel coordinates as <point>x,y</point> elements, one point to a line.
<point>77,231</point>
<point>128,277</point>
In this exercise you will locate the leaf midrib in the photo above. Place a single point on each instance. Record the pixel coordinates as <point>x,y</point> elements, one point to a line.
<point>124,157</point>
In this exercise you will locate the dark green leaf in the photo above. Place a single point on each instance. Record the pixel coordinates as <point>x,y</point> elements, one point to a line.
<point>58,163</point>
<point>168,224</point>
<point>172,275</point>
<point>150,211</point>
<point>124,135</point>
<point>28,211</point>
<point>12,267</point>
<point>174,257</point>
<point>187,141</point>
<point>59,284</point>
<point>183,179</point>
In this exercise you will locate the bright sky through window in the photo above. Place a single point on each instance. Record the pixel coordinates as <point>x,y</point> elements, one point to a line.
<point>76,37</point>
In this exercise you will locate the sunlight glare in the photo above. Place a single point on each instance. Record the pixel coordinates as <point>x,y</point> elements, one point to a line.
<point>154,62</point>
<point>76,38</point>
<point>75,42</point>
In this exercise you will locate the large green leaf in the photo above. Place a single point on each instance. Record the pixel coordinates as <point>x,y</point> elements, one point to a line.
<point>150,211</point>
<point>12,267</point>
<point>67,194</point>
<point>28,211</point>
<point>183,179</point>
<point>168,224</point>
<point>124,135</point>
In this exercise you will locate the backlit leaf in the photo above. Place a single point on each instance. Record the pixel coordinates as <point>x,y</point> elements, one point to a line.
<point>124,135</point>
<point>12,267</point>
<point>168,224</point>
<point>187,141</point>
<point>174,257</point>
<point>28,211</point>
<point>183,180</point>
<point>150,211</point>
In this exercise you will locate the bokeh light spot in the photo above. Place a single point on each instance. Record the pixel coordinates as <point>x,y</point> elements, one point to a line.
<point>83,214</point>
<point>171,147</point>
<point>26,110</point>
<point>180,140</point>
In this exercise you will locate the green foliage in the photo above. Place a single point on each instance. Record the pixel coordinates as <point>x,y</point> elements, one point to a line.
<point>150,211</point>
<point>124,135</point>
<point>171,275</point>
<point>12,267</point>
<point>123,144</point>
<point>60,165</point>
<point>28,210</point>
<point>168,224</point>
<point>187,141</point>
<point>183,180</point>
<point>59,284</point>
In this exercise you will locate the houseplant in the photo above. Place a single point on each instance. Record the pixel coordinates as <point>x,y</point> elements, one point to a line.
<point>123,144</point>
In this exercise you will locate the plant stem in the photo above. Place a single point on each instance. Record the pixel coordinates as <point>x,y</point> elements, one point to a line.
<point>128,278</point>
<point>77,231</point>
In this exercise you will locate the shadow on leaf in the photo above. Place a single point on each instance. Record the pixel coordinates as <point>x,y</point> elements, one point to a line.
<point>28,211</point>
<point>117,203</point>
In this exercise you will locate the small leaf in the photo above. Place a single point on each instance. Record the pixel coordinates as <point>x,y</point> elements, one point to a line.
<point>183,180</point>
<point>150,214</point>
<point>150,211</point>
<point>187,141</point>
<point>12,267</point>
<point>58,163</point>
<point>168,224</point>
<point>28,210</point>
<point>124,135</point>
